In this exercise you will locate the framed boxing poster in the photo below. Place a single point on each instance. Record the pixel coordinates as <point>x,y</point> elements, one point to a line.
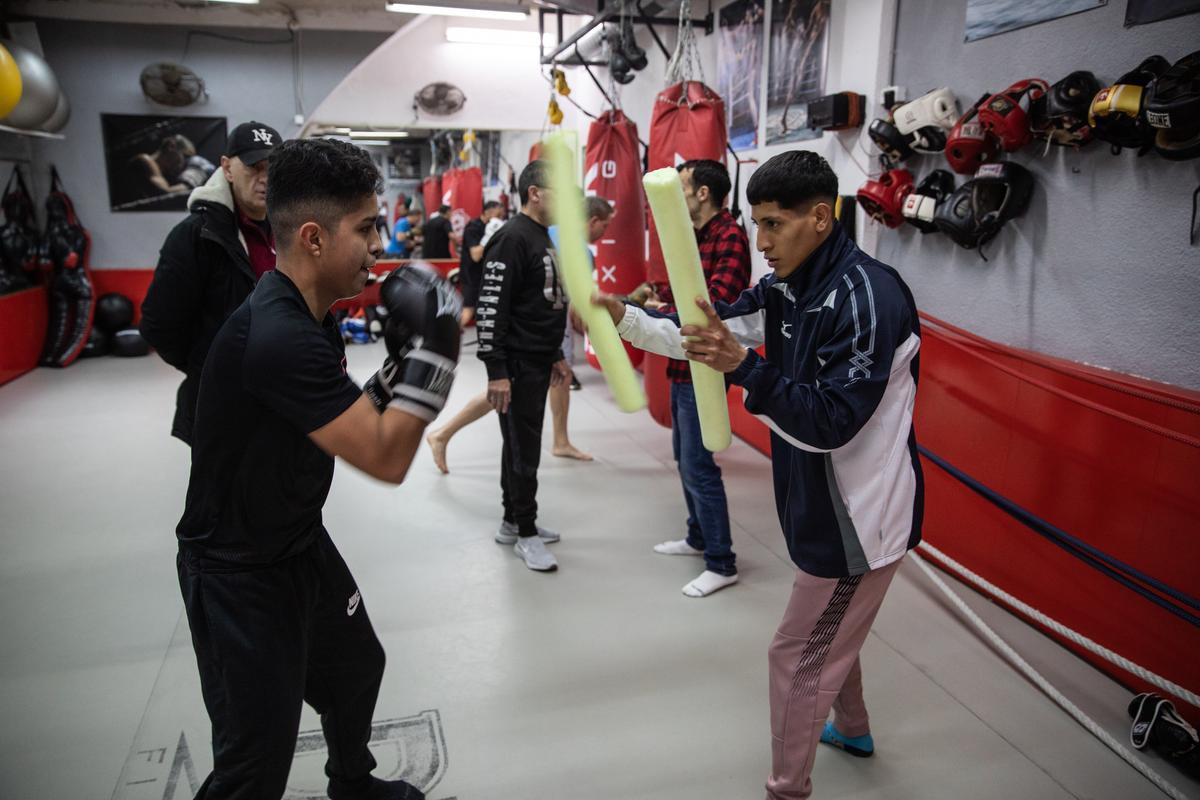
<point>739,69</point>
<point>1141,12</point>
<point>799,47</point>
<point>154,162</point>
<point>990,17</point>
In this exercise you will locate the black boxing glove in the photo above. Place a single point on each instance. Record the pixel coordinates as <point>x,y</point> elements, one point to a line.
<point>422,304</point>
<point>419,300</point>
<point>399,342</point>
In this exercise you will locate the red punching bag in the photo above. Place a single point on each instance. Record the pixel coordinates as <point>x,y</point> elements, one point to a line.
<point>688,123</point>
<point>431,194</point>
<point>462,190</point>
<point>613,170</point>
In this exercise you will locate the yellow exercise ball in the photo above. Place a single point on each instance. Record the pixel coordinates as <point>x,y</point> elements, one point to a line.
<point>10,82</point>
<point>39,89</point>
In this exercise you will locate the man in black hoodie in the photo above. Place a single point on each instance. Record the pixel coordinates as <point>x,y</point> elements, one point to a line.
<point>210,263</point>
<point>521,318</point>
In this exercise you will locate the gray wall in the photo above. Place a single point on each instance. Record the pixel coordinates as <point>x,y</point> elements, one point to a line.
<point>1099,270</point>
<point>98,65</point>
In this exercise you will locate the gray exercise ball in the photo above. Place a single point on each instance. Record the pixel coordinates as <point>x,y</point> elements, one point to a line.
<point>39,89</point>
<point>62,114</point>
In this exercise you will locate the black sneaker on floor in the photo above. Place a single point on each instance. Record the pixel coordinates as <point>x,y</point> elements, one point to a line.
<point>373,788</point>
<point>575,384</point>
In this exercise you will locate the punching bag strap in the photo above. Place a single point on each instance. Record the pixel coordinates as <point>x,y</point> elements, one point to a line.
<point>736,208</point>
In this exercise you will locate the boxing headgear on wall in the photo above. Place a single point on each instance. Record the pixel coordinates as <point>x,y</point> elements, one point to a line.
<point>883,198</point>
<point>1116,111</point>
<point>1061,115</point>
<point>1172,108</point>
<point>887,138</point>
<point>926,120</point>
<point>920,207</point>
<point>1005,114</point>
<point>969,145</point>
<point>977,210</point>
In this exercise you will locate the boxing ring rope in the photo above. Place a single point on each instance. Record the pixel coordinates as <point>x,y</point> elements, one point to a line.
<point>1036,677</point>
<point>1062,630</point>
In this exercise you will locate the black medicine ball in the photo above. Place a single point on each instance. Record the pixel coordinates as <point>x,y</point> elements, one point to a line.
<point>113,312</point>
<point>99,343</point>
<point>129,343</point>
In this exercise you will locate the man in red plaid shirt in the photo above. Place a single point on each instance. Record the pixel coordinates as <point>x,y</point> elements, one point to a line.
<point>725,257</point>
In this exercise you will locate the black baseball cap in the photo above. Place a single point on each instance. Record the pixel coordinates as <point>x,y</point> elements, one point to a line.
<point>252,142</point>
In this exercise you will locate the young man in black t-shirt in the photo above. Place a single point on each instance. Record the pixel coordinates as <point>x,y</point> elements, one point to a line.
<point>438,232</point>
<point>275,615</point>
<point>470,264</point>
<point>522,316</point>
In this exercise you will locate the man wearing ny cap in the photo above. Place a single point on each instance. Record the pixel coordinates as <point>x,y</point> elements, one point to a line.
<point>210,262</point>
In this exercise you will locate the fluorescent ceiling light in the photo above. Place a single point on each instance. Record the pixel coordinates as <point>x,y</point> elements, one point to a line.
<point>451,11</point>
<point>239,2</point>
<point>377,134</point>
<point>494,36</point>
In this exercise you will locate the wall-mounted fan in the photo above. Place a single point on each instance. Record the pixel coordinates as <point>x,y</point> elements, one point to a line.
<point>172,84</point>
<point>440,99</point>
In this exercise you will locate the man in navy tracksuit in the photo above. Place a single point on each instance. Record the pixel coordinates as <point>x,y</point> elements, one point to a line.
<point>837,388</point>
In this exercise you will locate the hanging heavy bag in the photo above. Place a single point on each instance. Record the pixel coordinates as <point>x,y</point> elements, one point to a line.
<point>65,247</point>
<point>612,169</point>
<point>18,237</point>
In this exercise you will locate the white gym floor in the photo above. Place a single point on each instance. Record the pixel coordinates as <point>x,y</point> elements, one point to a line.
<point>599,681</point>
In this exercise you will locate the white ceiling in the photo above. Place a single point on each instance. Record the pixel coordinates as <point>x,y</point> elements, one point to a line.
<point>311,14</point>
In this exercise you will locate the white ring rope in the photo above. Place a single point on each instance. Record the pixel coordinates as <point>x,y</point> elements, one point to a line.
<point>1062,630</point>
<point>1021,664</point>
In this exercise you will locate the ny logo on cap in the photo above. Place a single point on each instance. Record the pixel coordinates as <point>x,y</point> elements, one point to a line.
<point>263,135</point>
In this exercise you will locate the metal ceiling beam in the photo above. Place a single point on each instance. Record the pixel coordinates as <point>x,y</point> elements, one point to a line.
<point>602,16</point>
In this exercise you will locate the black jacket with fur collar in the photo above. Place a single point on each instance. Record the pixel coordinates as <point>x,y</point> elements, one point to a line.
<point>203,274</point>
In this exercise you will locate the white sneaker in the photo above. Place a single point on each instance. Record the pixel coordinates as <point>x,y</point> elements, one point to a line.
<point>508,534</point>
<point>532,550</point>
<point>677,547</point>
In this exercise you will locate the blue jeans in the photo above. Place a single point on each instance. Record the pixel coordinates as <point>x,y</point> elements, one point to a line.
<point>703,489</point>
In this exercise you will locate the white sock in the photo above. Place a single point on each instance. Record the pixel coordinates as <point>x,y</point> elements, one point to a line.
<point>677,547</point>
<point>707,583</point>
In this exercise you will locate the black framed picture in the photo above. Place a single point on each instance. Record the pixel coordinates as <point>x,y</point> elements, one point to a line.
<point>154,162</point>
<point>1140,12</point>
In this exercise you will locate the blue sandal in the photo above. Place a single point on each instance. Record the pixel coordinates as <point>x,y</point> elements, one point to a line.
<point>861,746</point>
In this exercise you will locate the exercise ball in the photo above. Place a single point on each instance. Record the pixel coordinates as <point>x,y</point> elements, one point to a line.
<point>129,343</point>
<point>114,312</point>
<point>10,82</point>
<point>62,114</point>
<point>99,343</point>
<point>39,89</point>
